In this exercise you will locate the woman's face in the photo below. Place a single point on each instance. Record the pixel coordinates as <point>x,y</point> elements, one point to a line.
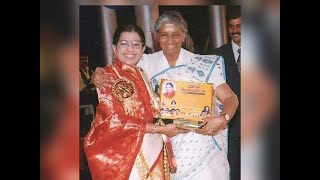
<point>169,88</point>
<point>170,38</point>
<point>129,48</point>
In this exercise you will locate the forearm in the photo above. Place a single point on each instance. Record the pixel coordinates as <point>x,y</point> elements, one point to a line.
<point>169,129</point>
<point>230,106</point>
<point>152,128</point>
<point>228,98</point>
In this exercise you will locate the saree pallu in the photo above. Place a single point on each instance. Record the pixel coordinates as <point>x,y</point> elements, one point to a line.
<point>118,138</point>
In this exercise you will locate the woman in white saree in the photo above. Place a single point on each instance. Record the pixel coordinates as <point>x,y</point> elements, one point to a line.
<point>201,154</point>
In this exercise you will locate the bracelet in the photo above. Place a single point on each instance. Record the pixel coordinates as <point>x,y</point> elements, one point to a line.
<point>153,129</point>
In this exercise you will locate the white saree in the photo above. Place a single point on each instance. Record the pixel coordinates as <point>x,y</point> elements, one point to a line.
<point>197,156</point>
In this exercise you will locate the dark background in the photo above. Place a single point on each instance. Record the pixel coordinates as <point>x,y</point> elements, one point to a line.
<point>91,34</point>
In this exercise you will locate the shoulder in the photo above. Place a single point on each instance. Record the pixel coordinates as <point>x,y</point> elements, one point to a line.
<point>187,53</point>
<point>208,59</point>
<point>149,58</point>
<point>109,72</point>
<point>224,46</point>
<point>153,55</point>
<point>108,68</point>
<point>220,50</point>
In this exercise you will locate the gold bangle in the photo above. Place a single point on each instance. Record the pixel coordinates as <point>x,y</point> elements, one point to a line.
<point>153,129</point>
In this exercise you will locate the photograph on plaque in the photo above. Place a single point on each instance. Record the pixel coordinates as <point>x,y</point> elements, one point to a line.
<point>185,102</point>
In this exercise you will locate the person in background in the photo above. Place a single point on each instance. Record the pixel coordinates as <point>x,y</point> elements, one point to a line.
<point>123,142</point>
<point>231,52</point>
<point>88,94</point>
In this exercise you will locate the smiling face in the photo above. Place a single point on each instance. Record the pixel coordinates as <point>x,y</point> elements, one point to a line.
<point>170,38</point>
<point>129,48</point>
<point>169,88</point>
<point>234,27</point>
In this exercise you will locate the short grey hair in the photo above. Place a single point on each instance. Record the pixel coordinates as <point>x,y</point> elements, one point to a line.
<point>176,18</point>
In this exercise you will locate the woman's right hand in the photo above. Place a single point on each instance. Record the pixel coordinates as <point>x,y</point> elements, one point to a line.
<point>101,79</point>
<point>173,129</point>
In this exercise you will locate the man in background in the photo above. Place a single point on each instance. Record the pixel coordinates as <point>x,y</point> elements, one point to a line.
<point>88,93</point>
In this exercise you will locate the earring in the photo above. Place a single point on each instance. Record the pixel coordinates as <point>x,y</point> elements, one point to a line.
<point>115,56</point>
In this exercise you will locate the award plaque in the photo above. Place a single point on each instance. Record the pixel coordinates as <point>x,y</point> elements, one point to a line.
<point>185,103</point>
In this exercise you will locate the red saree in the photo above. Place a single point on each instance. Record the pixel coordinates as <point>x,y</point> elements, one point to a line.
<point>116,136</point>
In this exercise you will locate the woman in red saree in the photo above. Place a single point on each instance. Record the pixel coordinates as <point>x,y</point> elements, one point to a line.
<point>122,142</point>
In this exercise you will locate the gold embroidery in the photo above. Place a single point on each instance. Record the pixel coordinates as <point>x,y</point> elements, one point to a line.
<point>142,167</point>
<point>166,163</point>
<point>165,155</point>
<point>156,173</point>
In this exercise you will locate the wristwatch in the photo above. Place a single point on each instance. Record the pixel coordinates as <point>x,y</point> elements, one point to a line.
<point>226,116</point>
